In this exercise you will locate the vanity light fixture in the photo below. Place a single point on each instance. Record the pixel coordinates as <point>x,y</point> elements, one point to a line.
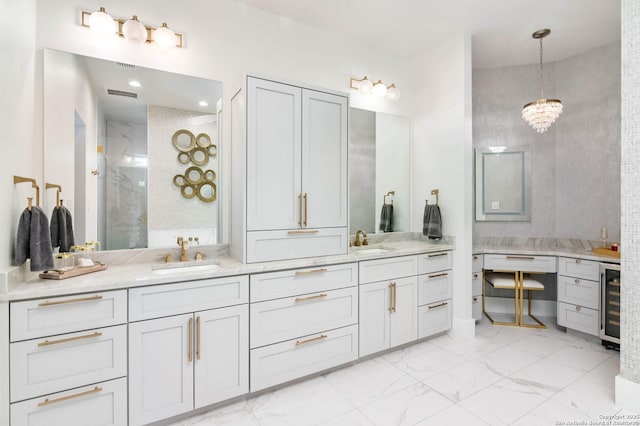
<point>541,113</point>
<point>131,29</point>
<point>379,89</point>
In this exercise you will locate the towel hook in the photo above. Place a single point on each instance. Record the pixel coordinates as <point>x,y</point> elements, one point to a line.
<point>434,192</point>
<point>58,191</point>
<point>389,194</point>
<point>34,184</point>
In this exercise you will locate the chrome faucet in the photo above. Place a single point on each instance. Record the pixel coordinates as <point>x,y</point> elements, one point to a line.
<point>364,241</point>
<point>184,247</point>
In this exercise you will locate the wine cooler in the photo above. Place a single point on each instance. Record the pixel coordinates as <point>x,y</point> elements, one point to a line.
<point>610,304</point>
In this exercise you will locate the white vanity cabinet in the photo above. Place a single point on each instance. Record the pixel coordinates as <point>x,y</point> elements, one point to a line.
<point>578,305</point>
<point>187,360</point>
<point>388,308</point>
<point>68,358</point>
<point>435,289</point>
<point>290,167</point>
<point>477,262</point>
<point>302,321</point>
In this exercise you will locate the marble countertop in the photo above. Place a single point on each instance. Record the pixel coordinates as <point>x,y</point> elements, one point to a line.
<point>141,274</point>
<point>541,247</point>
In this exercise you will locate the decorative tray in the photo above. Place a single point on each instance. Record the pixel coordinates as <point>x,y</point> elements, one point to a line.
<point>54,274</point>
<point>602,251</point>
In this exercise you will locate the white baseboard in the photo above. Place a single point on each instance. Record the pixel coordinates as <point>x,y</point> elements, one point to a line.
<point>504,305</point>
<point>627,394</point>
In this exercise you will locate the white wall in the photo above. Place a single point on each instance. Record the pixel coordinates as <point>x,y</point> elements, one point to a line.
<point>443,153</point>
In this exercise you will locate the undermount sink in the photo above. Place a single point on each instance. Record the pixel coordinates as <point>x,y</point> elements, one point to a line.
<point>370,250</point>
<point>164,270</point>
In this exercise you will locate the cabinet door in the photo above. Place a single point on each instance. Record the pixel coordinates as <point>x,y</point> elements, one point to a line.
<point>324,159</point>
<point>375,326</point>
<point>273,155</point>
<point>160,369</point>
<point>404,318</point>
<point>222,354</point>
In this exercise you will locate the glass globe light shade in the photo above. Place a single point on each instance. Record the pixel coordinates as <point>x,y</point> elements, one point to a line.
<point>365,85</point>
<point>393,93</point>
<point>102,23</point>
<point>134,30</point>
<point>379,89</point>
<point>164,36</point>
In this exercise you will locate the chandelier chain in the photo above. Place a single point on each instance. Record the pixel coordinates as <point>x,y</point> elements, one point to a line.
<point>541,73</point>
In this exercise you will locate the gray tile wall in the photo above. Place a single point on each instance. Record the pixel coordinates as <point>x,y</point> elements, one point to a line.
<point>630,262</point>
<point>575,164</point>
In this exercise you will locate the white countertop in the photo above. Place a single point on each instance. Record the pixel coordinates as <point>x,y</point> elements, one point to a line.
<point>141,274</point>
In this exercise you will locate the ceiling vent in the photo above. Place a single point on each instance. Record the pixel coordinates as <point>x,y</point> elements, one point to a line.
<point>124,65</point>
<point>122,93</point>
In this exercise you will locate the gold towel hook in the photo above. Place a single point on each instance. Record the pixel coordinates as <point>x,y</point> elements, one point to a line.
<point>390,193</point>
<point>58,191</point>
<point>434,192</point>
<point>34,184</point>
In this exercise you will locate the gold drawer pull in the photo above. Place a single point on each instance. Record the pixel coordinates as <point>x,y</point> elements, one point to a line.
<point>444,274</point>
<point>69,339</point>
<point>190,342</point>
<point>306,208</point>
<point>62,302</point>
<point>317,296</point>
<point>578,308</point>
<point>315,339</point>
<point>438,306</point>
<point>475,276</point>
<point>303,231</point>
<point>578,261</point>
<point>198,338</point>
<point>313,271</point>
<point>68,397</point>
<point>577,281</point>
<point>300,206</point>
<point>521,257</point>
<point>437,254</point>
<point>475,257</point>
<point>475,299</point>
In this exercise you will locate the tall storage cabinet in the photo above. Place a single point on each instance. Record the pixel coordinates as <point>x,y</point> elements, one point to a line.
<point>289,185</point>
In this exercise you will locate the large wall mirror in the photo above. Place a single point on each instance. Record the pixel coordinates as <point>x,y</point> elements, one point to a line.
<point>503,183</point>
<point>116,139</point>
<point>379,170</point>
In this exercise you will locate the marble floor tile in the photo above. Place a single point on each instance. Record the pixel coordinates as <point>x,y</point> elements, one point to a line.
<point>292,392</point>
<point>551,413</point>
<point>584,358</point>
<point>430,363</point>
<point>502,334</point>
<point>590,397</point>
<point>452,416</point>
<point>508,359</point>
<point>408,352</point>
<point>462,381</point>
<point>375,385</point>
<point>352,418</point>
<point>503,402</point>
<point>236,414</point>
<point>607,371</point>
<point>547,376</point>
<point>355,370</point>
<point>473,348</point>
<point>544,344</point>
<point>405,407</point>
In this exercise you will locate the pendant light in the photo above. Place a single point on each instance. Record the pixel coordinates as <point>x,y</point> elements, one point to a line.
<point>541,113</point>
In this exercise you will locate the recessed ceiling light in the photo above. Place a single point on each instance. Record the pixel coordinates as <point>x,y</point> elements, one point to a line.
<point>203,103</point>
<point>134,83</point>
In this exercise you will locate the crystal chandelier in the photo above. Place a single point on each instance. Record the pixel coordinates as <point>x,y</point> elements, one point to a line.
<point>541,113</point>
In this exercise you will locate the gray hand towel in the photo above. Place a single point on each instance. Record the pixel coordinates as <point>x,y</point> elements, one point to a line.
<point>33,240</point>
<point>61,229</point>
<point>432,222</point>
<point>386,218</point>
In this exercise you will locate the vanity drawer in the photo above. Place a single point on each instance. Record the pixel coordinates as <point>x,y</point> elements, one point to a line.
<point>100,404</point>
<point>579,291</point>
<point>191,296</point>
<point>434,262</point>
<point>476,283</point>
<point>40,367</point>
<point>265,246</point>
<point>57,315</point>
<point>274,285</point>
<point>586,269</point>
<point>477,263</point>
<point>579,318</point>
<point>476,308</point>
<point>434,287</point>
<point>434,318</point>
<point>283,319</point>
<point>386,269</point>
<point>279,363</point>
<point>517,262</point>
